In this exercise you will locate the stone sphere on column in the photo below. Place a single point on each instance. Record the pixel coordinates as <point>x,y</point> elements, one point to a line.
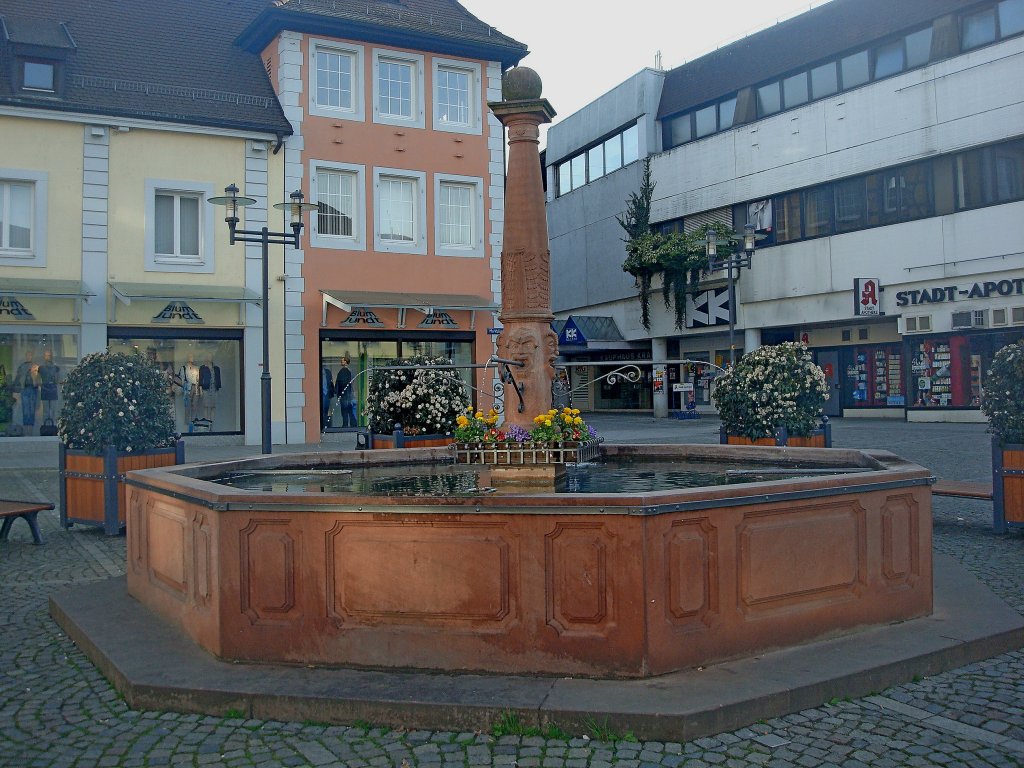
<point>520,84</point>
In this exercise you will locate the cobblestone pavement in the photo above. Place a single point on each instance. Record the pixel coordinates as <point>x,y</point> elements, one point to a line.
<point>57,710</point>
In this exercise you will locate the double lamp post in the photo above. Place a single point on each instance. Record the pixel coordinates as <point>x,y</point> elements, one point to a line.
<point>734,260</point>
<point>295,206</point>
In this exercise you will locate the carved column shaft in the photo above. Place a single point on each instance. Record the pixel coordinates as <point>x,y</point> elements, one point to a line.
<point>525,264</point>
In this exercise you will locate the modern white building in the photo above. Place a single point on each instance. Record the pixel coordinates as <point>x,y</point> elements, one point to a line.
<point>879,149</point>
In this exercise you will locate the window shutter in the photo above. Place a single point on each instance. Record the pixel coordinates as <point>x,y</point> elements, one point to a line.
<point>699,222</point>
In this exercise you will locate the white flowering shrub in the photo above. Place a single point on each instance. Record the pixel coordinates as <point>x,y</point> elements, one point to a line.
<point>772,386</point>
<point>111,398</point>
<point>1003,397</point>
<point>423,401</point>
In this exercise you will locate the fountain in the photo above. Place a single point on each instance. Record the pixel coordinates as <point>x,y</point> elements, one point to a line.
<point>617,583</point>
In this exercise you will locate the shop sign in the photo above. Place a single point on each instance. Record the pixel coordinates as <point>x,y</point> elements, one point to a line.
<point>865,296</point>
<point>708,308</point>
<point>571,334</point>
<point>438,318</point>
<point>362,316</point>
<point>495,331</point>
<point>946,293</point>
<point>618,357</point>
<point>178,310</point>
<point>10,306</point>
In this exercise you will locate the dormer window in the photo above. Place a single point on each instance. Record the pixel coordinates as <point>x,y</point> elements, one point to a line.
<point>39,52</point>
<point>38,76</point>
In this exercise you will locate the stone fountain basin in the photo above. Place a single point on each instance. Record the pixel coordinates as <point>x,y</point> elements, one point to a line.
<point>616,585</point>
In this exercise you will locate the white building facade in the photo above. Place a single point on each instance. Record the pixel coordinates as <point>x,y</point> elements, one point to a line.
<point>880,153</point>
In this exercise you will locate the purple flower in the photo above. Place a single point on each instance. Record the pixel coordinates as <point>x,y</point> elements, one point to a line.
<point>591,431</point>
<point>517,433</point>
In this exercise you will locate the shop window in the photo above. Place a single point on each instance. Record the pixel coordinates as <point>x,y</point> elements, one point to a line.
<point>794,90</point>
<point>204,378</point>
<point>613,154</point>
<point>978,29</point>
<point>890,59</point>
<point>338,190</point>
<point>818,211</point>
<point>179,226</point>
<point>458,215</point>
<point>631,145</point>
<point>595,162</point>
<point>1011,17</point>
<point>875,376</point>
<point>919,47</point>
<point>33,366</point>
<point>398,88</point>
<point>456,96</point>
<point>337,74</point>
<point>787,217</point>
<point>769,100</point>
<point>824,80</point>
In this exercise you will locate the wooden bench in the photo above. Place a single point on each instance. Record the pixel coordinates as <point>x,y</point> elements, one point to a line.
<point>27,511</point>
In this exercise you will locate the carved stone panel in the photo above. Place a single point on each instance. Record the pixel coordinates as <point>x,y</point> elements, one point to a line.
<point>165,533</point>
<point>770,543</point>
<point>269,561</point>
<point>901,563</point>
<point>449,574</point>
<point>577,584</point>
<point>691,572</point>
<point>202,558</point>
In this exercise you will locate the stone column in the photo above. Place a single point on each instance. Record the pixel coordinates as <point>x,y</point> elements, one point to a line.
<point>526,314</point>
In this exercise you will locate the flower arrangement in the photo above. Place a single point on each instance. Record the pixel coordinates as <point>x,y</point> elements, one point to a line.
<point>772,386</point>
<point>555,426</point>
<point>1003,397</point>
<point>423,401</point>
<point>112,398</point>
<point>475,427</point>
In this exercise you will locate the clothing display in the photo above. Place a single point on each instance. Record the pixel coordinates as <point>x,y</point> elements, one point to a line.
<point>346,397</point>
<point>26,385</point>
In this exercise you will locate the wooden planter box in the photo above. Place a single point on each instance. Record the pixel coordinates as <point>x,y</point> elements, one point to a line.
<point>398,439</point>
<point>1007,485</point>
<point>92,489</point>
<point>819,438</point>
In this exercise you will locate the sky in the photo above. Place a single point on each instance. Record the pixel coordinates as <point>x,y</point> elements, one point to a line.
<point>581,48</point>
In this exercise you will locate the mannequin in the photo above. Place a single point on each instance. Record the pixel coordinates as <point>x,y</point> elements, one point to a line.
<point>190,392</point>
<point>26,389</point>
<point>49,374</point>
<point>209,386</point>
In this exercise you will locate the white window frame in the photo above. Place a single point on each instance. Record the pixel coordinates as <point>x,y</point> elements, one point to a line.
<point>162,263</point>
<point>476,247</point>
<point>35,255</point>
<point>357,240</point>
<point>357,111</point>
<point>475,124</point>
<point>415,60</point>
<point>418,245</point>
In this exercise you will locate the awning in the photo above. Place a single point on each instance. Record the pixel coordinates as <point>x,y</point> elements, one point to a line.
<point>221,294</point>
<point>15,287</point>
<point>427,303</point>
<point>589,332</point>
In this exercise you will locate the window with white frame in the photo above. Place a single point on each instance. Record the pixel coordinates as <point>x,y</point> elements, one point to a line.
<point>456,96</point>
<point>23,217</point>
<point>338,190</point>
<point>15,217</point>
<point>179,228</point>
<point>400,210</point>
<point>458,215</point>
<point>336,80</point>
<point>398,88</point>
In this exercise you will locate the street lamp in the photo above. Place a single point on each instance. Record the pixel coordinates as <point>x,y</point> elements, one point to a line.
<point>264,237</point>
<point>735,260</point>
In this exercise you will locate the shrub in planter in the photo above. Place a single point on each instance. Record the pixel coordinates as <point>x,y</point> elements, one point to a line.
<point>1003,403</point>
<point>117,416</point>
<point>772,387</point>
<point>423,401</point>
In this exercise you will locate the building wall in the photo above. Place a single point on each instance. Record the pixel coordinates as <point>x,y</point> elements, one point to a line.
<point>370,146</point>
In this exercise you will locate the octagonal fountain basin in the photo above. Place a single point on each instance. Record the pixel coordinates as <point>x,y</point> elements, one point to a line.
<point>624,581</point>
